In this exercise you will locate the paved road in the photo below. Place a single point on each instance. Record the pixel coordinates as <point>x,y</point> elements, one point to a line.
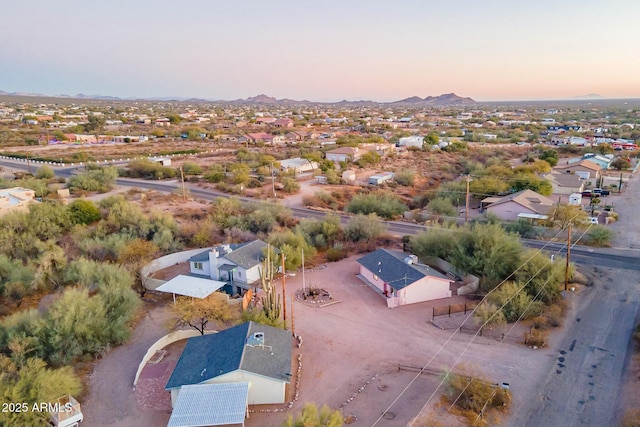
<point>581,386</point>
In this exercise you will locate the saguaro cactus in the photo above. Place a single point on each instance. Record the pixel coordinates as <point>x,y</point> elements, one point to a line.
<point>271,300</point>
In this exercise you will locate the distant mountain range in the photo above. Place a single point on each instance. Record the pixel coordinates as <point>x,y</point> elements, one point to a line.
<point>414,101</point>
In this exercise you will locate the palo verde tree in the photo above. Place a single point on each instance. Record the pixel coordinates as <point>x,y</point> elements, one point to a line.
<point>198,312</point>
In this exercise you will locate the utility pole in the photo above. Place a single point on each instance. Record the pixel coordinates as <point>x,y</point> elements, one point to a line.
<point>303,290</point>
<point>284,293</point>
<point>184,194</point>
<point>293,324</point>
<point>466,201</point>
<point>566,271</point>
<point>273,181</point>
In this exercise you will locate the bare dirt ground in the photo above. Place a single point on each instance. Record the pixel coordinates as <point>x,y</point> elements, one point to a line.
<point>111,399</point>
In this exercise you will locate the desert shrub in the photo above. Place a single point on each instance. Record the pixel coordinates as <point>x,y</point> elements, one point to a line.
<point>147,169</point>
<point>535,337</point>
<point>599,236</point>
<point>555,314</point>
<point>524,229</point>
<point>190,168</point>
<point>311,416</point>
<point>488,315</point>
<point>442,206</point>
<point>290,185</point>
<point>364,227</point>
<point>540,323</point>
<point>45,172</point>
<point>215,174</point>
<point>382,204</point>
<point>405,177</point>
<point>84,211</point>
<point>474,394</point>
<point>100,180</point>
<point>336,253</point>
<point>516,305</point>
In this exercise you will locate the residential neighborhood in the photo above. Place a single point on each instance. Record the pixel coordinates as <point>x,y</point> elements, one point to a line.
<point>244,226</point>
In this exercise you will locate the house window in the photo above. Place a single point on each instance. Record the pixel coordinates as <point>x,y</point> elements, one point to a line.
<point>239,274</point>
<point>197,265</point>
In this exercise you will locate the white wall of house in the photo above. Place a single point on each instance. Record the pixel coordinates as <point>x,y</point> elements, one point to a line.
<point>262,390</point>
<point>213,265</point>
<point>250,275</point>
<point>426,289</point>
<point>200,267</point>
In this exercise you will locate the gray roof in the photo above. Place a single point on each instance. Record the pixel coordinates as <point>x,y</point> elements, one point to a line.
<point>391,266</point>
<point>247,255</point>
<point>210,405</point>
<point>209,356</point>
<point>202,256</point>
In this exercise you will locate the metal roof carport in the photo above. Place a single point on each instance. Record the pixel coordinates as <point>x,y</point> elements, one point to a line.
<point>190,286</point>
<point>202,405</point>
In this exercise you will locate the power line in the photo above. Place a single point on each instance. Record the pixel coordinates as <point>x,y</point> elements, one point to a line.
<point>455,331</point>
<point>487,321</point>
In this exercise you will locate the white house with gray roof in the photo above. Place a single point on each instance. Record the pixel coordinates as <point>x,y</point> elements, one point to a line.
<point>237,264</point>
<point>401,279</point>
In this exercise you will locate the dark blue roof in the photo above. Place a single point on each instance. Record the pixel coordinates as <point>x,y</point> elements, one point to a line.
<point>209,356</point>
<point>392,267</point>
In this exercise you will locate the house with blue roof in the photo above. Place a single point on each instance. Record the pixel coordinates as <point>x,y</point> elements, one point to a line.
<point>251,353</point>
<point>401,279</point>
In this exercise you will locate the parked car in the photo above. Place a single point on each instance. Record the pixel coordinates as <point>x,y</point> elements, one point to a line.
<point>605,192</point>
<point>587,193</point>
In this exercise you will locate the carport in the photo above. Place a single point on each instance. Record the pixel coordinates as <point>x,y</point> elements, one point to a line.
<point>202,405</point>
<point>190,286</point>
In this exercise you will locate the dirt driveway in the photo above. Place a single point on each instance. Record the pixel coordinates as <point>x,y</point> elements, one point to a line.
<point>360,342</point>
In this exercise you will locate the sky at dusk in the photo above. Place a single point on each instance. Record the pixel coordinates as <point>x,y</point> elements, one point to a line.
<point>325,50</point>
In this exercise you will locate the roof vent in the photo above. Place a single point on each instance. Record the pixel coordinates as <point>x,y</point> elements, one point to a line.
<point>257,339</point>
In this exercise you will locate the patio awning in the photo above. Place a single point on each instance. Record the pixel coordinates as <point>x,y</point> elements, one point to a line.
<point>191,286</point>
<point>227,267</point>
<point>202,405</point>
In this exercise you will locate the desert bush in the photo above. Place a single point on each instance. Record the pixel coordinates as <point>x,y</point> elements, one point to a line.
<point>555,314</point>
<point>147,169</point>
<point>599,236</point>
<point>100,180</point>
<point>515,304</point>
<point>474,395</point>
<point>215,174</point>
<point>405,177</point>
<point>84,211</point>
<point>190,168</point>
<point>382,204</point>
<point>311,416</point>
<point>336,253</point>
<point>364,227</point>
<point>535,337</point>
<point>290,185</point>
<point>540,322</point>
<point>488,315</point>
<point>45,172</point>
<point>442,206</point>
